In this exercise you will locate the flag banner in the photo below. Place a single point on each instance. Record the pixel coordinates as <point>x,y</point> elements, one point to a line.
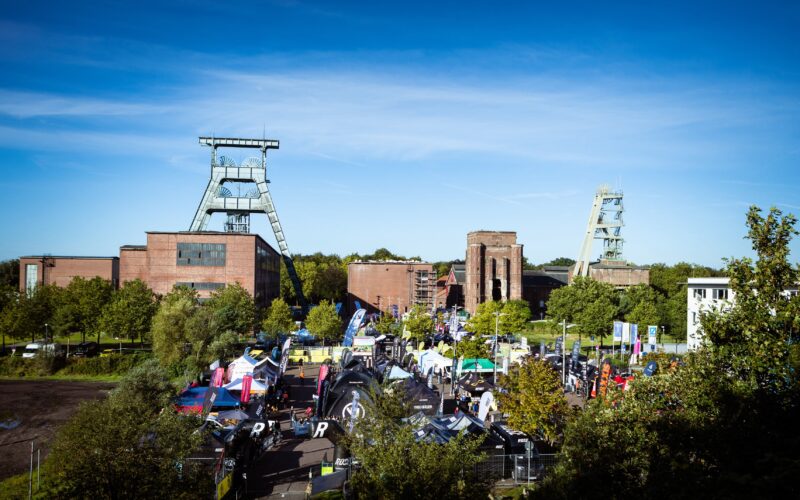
<point>247,382</point>
<point>618,331</point>
<point>626,333</point>
<point>219,377</point>
<point>576,351</point>
<point>634,333</point>
<point>285,355</point>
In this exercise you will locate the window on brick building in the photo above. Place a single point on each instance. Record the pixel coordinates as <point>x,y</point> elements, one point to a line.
<point>201,254</point>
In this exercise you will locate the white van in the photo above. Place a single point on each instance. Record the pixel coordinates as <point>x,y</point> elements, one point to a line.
<point>37,349</point>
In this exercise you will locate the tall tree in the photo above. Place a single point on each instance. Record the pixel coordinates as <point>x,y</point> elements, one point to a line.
<point>130,312</point>
<point>507,317</point>
<point>533,397</point>
<point>278,319</point>
<point>169,331</point>
<point>26,316</point>
<point>324,322</point>
<point>418,324</point>
<point>81,306</point>
<point>233,309</point>
<point>9,273</point>
<point>643,305</point>
<point>591,304</point>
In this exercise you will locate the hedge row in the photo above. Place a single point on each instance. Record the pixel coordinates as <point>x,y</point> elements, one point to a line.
<point>115,364</point>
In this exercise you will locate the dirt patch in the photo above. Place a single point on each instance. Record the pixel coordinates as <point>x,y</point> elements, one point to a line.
<point>34,410</point>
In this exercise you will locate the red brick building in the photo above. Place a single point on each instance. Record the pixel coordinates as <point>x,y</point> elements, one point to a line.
<point>38,270</point>
<point>619,274</point>
<point>204,261</point>
<point>379,285</point>
<point>494,268</point>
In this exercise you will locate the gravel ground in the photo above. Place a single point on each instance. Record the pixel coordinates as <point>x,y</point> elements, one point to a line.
<point>40,407</point>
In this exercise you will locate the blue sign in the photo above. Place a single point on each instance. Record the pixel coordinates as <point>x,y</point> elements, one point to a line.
<point>618,331</point>
<point>652,330</point>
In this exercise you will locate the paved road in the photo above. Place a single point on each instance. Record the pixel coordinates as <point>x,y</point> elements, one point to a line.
<point>283,473</point>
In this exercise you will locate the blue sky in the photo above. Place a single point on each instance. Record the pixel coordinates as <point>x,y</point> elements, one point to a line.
<point>402,125</point>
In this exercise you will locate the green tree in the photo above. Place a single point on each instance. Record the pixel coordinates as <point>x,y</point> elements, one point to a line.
<point>81,306</point>
<point>386,324</point>
<point>132,447</point>
<point>324,322</point>
<point>393,464</point>
<point>591,304</point>
<point>512,316</point>
<point>533,397</point>
<point>25,316</point>
<point>9,273</point>
<point>473,348</point>
<point>233,309</point>
<point>130,312</point>
<point>226,346</point>
<point>684,431</point>
<point>279,318</point>
<point>418,324</point>
<point>486,318</point>
<point>560,261</point>
<point>169,331</point>
<point>670,283</point>
<point>643,305</point>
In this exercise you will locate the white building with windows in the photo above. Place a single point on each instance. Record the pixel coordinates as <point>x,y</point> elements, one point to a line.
<point>707,294</point>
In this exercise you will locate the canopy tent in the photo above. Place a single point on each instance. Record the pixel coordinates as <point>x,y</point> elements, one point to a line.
<point>304,336</point>
<point>241,366</point>
<point>432,360</point>
<point>397,373</point>
<point>256,386</point>
<point>267,369</point>
<point>474,384</point>
<point>478,365</point>
<point>195,399</point>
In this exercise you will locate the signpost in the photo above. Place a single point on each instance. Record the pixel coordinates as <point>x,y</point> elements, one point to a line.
<point>652,330</point>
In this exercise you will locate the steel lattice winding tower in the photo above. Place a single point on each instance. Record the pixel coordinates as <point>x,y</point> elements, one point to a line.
<point>218,198</point>
<point>605,223</point>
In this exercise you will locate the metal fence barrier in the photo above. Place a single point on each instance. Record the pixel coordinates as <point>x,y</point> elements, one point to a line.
<point>521,468</point>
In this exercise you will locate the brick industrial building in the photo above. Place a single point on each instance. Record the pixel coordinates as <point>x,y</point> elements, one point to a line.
<point>494,268</point>
<point>620,274</point>
<point>381,285</point>
<point>204,261</point>
<point>38,270</point>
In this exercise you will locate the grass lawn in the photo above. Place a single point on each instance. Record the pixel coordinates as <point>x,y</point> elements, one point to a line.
<point>538,331</point>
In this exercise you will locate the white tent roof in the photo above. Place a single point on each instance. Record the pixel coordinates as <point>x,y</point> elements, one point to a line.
<point>256,386</point>
<point>432,359</point>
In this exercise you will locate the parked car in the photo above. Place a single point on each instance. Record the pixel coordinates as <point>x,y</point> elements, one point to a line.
<point>85,350</point>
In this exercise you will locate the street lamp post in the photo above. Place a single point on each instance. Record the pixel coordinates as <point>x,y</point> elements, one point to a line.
<point>46,334</point>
